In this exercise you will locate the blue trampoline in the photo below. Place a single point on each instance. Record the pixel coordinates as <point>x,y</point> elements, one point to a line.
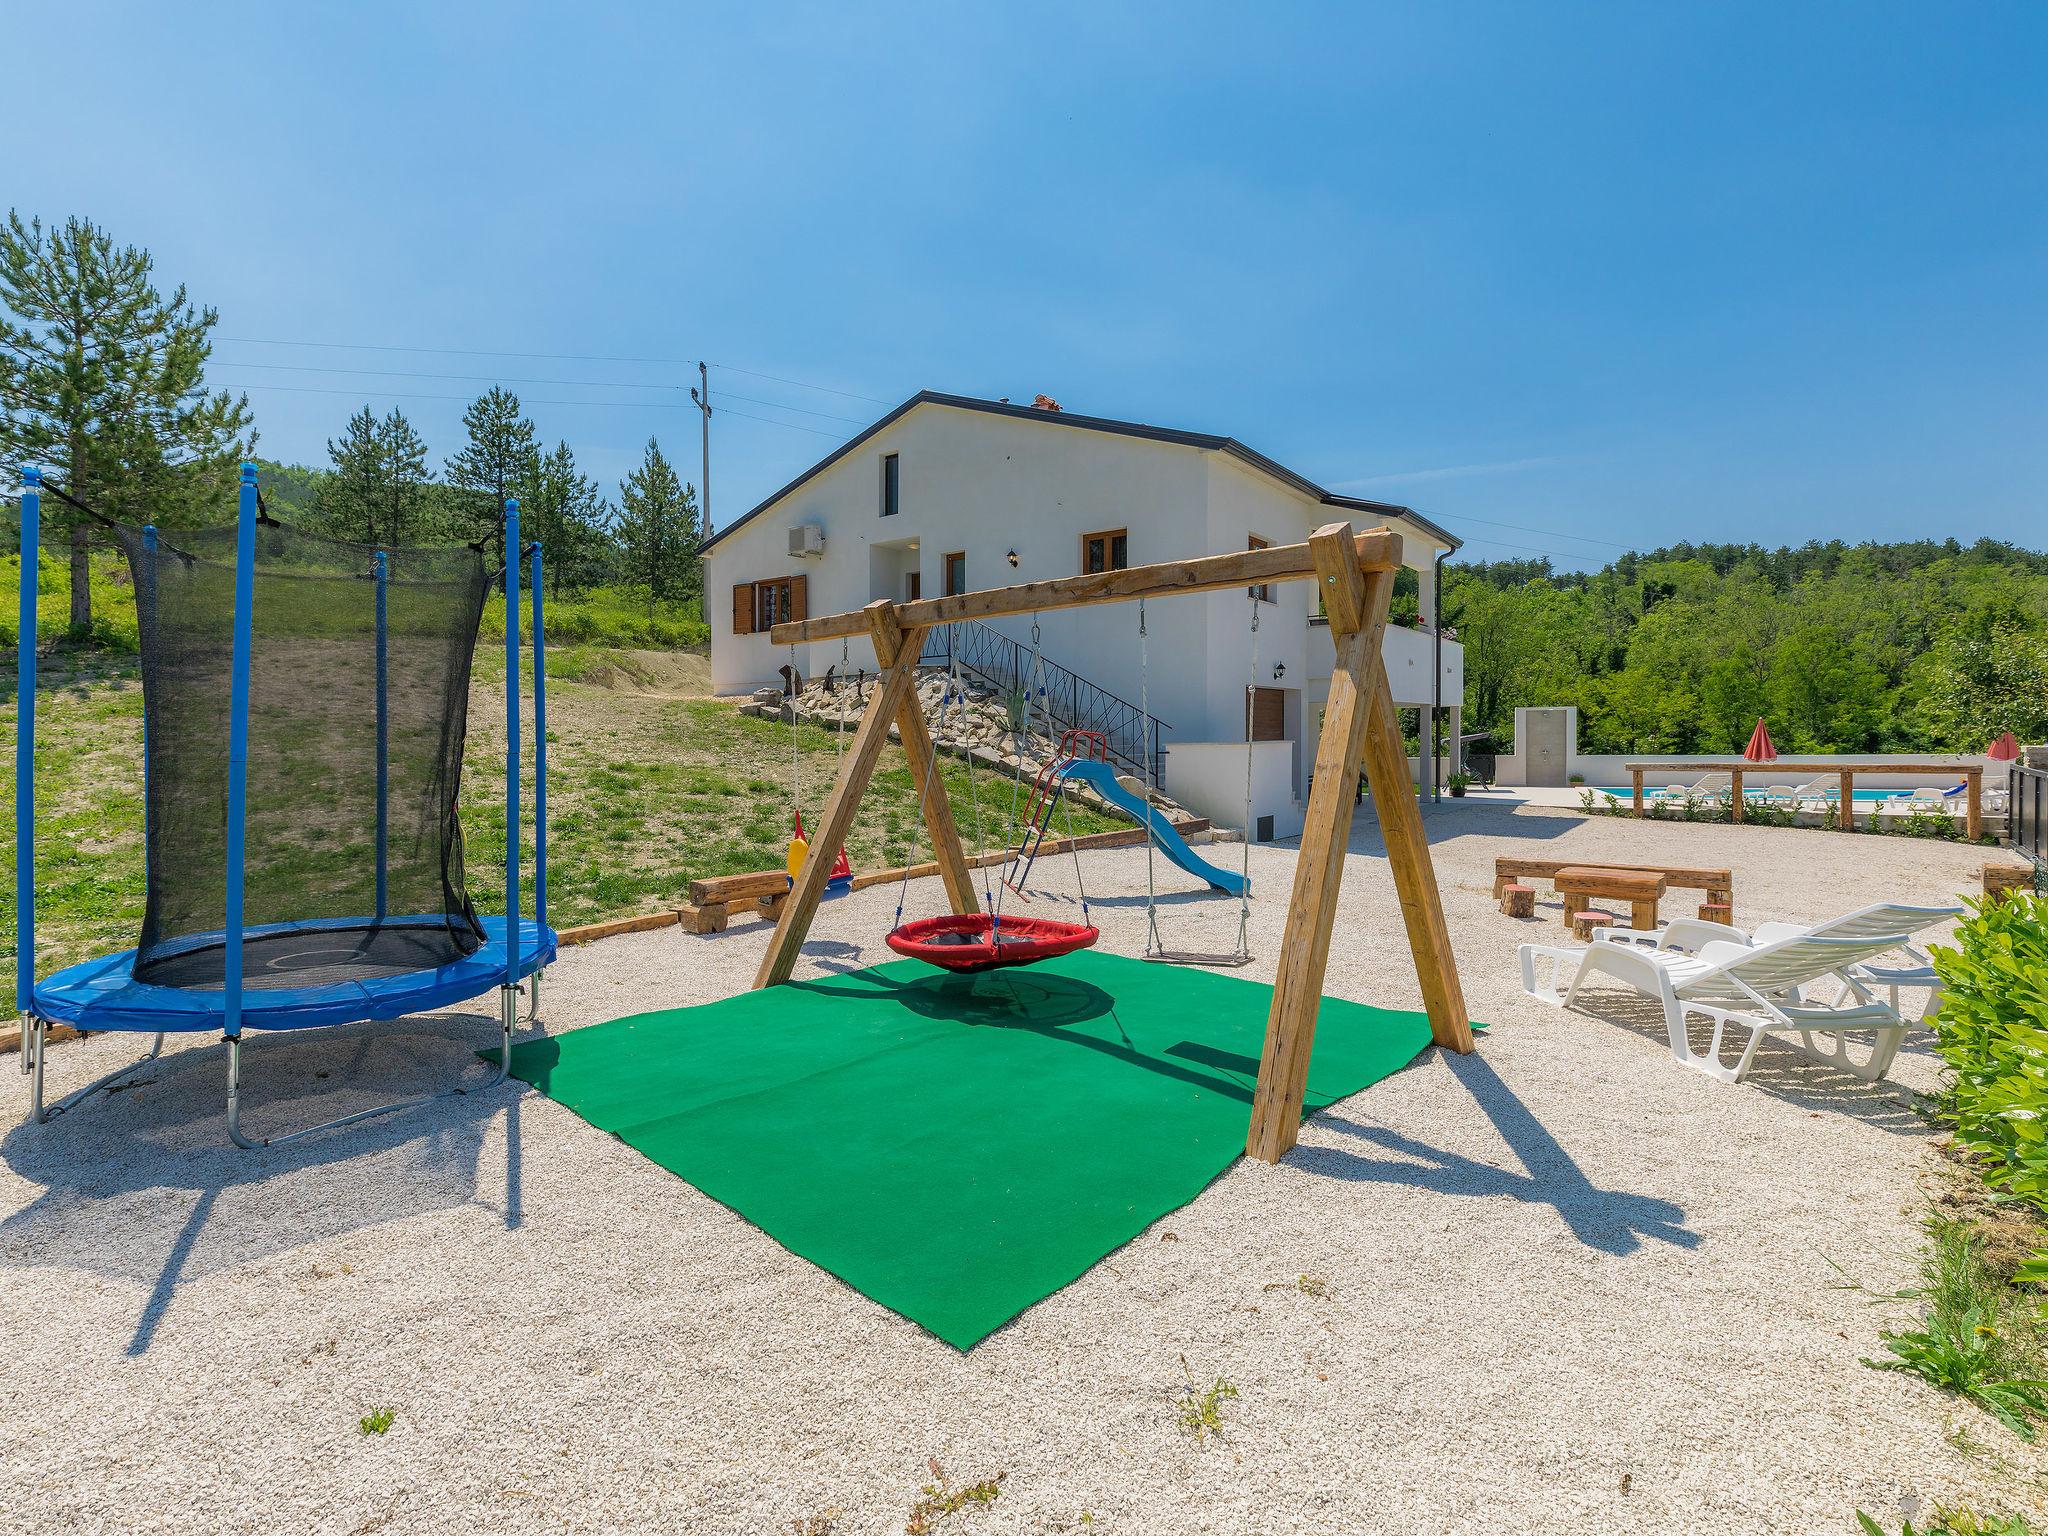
<point>305,704</point>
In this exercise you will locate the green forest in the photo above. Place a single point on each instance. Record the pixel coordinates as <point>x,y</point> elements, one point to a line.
<point>1912,647</point>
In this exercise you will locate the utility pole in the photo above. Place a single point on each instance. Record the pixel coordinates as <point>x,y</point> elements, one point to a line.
<point>703,402</point>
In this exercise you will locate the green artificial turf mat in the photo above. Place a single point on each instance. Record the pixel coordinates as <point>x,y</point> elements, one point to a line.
<point>955,1147</point>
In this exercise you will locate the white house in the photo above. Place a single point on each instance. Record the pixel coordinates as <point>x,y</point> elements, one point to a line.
<point>949,493</point>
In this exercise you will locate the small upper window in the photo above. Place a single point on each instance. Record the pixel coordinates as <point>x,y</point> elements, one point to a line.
<point>956,573</point>
<point>1263,592</point>
<point>1106,551</point>
<point>892,485</point>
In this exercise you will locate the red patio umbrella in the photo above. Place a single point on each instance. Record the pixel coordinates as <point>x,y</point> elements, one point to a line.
<point>2005,749</point>
<point>1760,749</point>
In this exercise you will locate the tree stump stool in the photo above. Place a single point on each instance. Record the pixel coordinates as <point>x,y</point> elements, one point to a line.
<point>1586,923</point>
<point>1518,900</point>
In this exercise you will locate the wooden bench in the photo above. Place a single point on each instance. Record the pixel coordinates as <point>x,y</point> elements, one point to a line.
<point>1642,889</point>
<point>1719,884</point>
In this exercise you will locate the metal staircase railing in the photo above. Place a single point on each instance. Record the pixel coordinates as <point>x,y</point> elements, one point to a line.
<point>1069,701</point>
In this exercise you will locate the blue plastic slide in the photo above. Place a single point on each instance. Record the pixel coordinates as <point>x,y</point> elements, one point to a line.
<point>1101,778</point>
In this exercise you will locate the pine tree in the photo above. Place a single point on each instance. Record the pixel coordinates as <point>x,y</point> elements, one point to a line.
<point>353,492</point>
<point>498,455</point>
<point>560,507</point>
<point>102,382</point>
<point>403,454</point>
<point>373,494</point>
<point>658,529</point>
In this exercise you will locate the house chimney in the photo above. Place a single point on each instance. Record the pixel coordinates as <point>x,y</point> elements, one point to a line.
<point>1044,403</point>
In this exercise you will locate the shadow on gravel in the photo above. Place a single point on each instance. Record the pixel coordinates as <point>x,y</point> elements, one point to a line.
<point>1613,1221</point>
<point>1776,1071</point>
<point>143,1186</point>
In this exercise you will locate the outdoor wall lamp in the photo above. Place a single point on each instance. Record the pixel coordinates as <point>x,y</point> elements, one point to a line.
<point>1013,559</point>
<point>1279,670</point>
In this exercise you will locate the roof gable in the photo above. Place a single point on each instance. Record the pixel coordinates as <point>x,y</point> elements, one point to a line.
<point>1207,440</point>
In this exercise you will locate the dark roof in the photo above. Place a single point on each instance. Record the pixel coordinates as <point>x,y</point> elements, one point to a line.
<point>1229,445</point>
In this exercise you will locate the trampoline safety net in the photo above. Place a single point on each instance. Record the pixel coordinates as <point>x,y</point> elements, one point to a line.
<point>358,703</point>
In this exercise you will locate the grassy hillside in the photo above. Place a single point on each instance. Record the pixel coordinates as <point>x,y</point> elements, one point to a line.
<point>647,791</point>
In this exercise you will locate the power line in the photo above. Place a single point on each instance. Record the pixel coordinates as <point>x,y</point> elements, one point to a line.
<point>466,378</point>
<point>395,394</point>
<point>370,346</point>
<point>563,357</point>
<point>837,437</point>
<point>825,389</point>
<point>1547,532</point>
<point>800,410</point>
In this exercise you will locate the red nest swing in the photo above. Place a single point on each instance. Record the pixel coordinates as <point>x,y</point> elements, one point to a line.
<point>977,942</point>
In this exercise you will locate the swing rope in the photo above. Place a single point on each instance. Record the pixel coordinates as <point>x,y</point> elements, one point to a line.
<point>1150,745</point>
<point>1155,947</point>
<point>1244,894</point>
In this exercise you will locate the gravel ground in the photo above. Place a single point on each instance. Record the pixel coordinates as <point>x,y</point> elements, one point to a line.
<point>1566,1284</point>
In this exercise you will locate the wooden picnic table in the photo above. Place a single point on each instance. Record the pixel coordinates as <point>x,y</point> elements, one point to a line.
<point>1642,889</point>
<point>1972,774</point>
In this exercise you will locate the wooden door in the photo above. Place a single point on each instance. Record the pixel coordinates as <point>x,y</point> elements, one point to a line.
<point>1266,709</point>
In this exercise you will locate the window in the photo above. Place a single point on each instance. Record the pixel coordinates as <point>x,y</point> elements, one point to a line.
<point>1106,551</point>
<point>892,485</point>
<point>913,586</point>
<point>955,567</point>
<point>758,606</point>
<point>1263,592</point>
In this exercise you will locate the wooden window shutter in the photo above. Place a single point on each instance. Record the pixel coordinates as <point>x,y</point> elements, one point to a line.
<point>743,608</point>
<point>799,602</point>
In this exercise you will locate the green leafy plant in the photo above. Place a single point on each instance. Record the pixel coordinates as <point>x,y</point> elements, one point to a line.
<point>1201,1408</point>
<point>939,1498</point>
<point>1977,1338</point>
<point>1992,1034</point>
<point>375,1422</point>
<point>1952,1522</point>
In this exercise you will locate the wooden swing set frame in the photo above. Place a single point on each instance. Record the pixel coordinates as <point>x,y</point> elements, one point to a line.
<point>1354,573</point>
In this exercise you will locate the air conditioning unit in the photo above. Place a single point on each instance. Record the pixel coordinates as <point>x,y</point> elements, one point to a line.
<point>807,539</point>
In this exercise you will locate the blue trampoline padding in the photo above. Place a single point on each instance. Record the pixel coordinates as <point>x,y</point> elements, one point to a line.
<point>103,994</point>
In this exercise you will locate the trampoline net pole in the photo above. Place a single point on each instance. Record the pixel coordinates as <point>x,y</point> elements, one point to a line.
<point>540,760</point>
<point>383,736</point>
<point>238,750</point>
<point>25,751</point>
<point>511,741</point>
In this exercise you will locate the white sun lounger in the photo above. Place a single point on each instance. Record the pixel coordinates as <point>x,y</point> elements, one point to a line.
<point>1752,987</point>
<point>1714,786</point>
<point>1687,935</point>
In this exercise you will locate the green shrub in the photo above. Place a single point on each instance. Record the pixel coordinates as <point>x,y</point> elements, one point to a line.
<point>1992,1033</point>
<point>1976,1338</point>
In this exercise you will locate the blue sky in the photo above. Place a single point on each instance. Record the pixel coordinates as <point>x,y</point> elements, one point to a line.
<point>1614,274</point>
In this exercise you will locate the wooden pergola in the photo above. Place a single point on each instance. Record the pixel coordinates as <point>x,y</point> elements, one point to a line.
<point>1354,573</point>
<point>1971,771</point>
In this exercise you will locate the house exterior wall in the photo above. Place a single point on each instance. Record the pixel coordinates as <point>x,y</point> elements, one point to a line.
<point>988,484</point>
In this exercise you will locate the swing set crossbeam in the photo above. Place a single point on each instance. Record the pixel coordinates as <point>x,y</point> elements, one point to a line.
<point>1354,574</point>
<point>1377,550</point>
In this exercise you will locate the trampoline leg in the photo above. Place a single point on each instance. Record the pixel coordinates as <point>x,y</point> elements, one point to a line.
<point>32,1063</point>
<point>37,1032</point>
<point>508,1020</point>
<point>235,1135</point>
<point>27,1064</point>
<point>533,1001</point>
